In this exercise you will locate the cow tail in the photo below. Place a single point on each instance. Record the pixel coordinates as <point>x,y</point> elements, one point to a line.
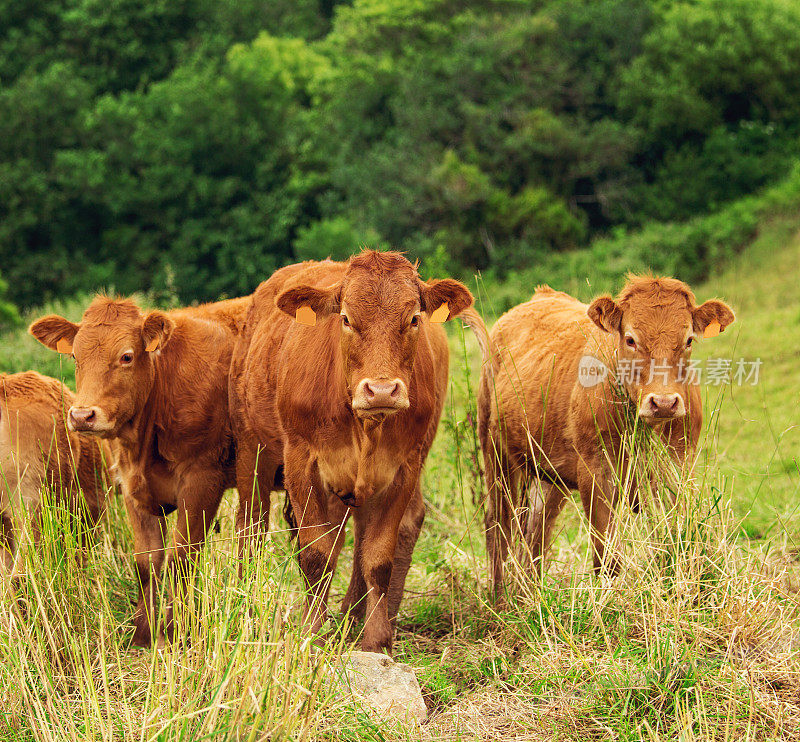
<point>475,323</point>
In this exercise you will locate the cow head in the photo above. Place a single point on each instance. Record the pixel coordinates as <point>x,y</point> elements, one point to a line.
<point>655,323</point>
<point>380,304</point>
<point>114,347</point>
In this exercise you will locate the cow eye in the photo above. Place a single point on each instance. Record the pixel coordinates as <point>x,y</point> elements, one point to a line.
<point>415,321</point>
<point>630,342</point>
<point>126,359</point>
<point>689,342</point>
<point>345,321</point>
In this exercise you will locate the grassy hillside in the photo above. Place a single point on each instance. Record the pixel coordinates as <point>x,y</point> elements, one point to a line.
<point>758,441</point>
<point>697,639</point>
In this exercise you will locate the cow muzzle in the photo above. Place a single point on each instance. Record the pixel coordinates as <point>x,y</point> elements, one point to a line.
<point>380,397</point>
<point>87,420</point>
<point>656,407</point>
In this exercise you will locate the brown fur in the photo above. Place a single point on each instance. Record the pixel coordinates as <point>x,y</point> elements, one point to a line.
<point>166,411</point>
<point>37,450</point>
<point>293,390</point>
<point>539,427</point>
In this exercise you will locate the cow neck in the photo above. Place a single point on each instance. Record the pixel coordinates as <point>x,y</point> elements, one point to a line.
<point>143,424</point>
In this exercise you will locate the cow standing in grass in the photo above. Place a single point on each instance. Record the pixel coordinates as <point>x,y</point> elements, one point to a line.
<point>551,414</point>
<point>337,387</point>
<point>155,384</point>
<point>37,451</point>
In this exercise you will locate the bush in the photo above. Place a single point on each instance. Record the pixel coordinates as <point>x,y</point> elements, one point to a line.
<point>692,250</point>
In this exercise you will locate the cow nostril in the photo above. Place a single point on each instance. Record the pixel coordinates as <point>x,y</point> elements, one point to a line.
<point>395,391</point>
<point>83,416</point>
<point>369,390</point>
<point>663,404</point>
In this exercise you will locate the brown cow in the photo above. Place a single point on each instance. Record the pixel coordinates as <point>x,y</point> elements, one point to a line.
<point>551,414</point>
<point>37,451</point>
<point>344,413</point>
<point>156,384</point>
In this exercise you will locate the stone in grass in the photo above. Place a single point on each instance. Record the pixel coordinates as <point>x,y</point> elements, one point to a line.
<point>389,689</point>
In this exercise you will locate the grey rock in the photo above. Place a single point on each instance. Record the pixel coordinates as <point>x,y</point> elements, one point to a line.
<point>389,689</point>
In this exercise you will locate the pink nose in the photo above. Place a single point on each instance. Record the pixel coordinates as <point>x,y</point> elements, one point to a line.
<point>82,418</point>
<point>379,394</point>
<point>663,405</point>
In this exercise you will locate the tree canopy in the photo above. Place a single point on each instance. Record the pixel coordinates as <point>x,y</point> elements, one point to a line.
<point>193,146</point>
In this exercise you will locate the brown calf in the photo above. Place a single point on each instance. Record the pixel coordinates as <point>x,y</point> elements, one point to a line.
<point>551,416</point>
<point>156,384</point>
<point>36,451</point>
<point>347,407</point>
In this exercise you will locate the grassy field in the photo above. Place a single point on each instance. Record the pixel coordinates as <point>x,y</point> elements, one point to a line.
<point>697,639</point>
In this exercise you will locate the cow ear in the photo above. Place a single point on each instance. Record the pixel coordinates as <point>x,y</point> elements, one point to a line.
<point>156,330</point>
<point>306,303</point>
<point>444,298</point>
<point>55,332</point>
<point>605,313</point>
<point>712,317</point>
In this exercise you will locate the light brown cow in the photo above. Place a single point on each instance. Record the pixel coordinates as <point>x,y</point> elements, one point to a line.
<point>551,414</point>
<point>344,413</point>
<point>156,384</point>
<point>37,451</point>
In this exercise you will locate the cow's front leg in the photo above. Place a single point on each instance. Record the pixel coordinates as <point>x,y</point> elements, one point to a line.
<point>198,501</point>
<point>407,536</point>
<point>377,525</point>
<point>320,531</point>
<point>599,494</point>
<point>148,552</point>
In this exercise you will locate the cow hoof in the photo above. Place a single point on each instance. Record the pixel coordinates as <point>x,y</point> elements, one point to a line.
<point>377,647</point>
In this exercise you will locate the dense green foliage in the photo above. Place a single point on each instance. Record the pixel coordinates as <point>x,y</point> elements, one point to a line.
<point>193,146</point>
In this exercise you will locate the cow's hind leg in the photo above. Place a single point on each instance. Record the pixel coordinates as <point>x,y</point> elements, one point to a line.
<point>500,499</point>
<point>546,502</point>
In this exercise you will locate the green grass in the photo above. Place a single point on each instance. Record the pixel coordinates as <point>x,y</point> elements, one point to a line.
<point>758,442</point>
<point>697,639</point>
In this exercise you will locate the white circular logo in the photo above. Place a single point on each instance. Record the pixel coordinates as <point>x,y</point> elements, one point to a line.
<point>591,371</point>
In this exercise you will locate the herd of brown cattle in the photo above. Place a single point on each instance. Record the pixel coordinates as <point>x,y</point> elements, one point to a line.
<point>328,383</point>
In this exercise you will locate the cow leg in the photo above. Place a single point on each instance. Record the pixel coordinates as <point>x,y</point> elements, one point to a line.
<point>547,500</point>
<point>255,477</point>
<point>377,527</point>
<point>355,603</point>
<point>497,521</point>
<point>7,545</point>
<point>319,538</point>
<point>410,528</point>
<point>148,552</point>
<point>599,497</point>
<point>201,493</point>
